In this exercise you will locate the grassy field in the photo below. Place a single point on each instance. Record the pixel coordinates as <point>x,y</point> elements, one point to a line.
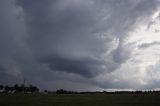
<point>79,100</point>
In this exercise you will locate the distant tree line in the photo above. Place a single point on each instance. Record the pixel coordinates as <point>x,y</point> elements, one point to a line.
<point>133,92</point>
<point>18,89</point>
<point>61,91</point>
<point>33,89</point>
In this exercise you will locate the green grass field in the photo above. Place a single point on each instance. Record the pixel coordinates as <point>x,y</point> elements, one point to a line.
<point>79,100</point>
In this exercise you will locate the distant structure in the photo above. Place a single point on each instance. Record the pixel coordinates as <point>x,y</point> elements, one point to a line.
<point>24,82</point>
<point>18,89</point>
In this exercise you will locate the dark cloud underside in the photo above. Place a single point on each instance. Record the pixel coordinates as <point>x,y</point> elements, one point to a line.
<point>50,40</point>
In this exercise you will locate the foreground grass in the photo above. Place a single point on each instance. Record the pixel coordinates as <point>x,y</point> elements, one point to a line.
<point>79,100</point>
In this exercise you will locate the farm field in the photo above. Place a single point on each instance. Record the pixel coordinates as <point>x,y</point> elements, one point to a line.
<point>79,100</point>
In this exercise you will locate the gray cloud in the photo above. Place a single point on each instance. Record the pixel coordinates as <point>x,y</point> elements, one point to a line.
<point>147,45</point>
<point>72,29</point>
<point>87,67</point>
<point>72,37</point>
<point>2,68</point>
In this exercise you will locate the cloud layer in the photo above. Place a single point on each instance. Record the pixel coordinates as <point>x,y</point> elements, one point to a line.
<point>78,42</point>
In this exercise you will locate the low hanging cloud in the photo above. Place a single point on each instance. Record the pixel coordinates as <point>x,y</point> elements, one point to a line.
<point>46,37</point>
<point>147,45</point>
<point>87,67</point>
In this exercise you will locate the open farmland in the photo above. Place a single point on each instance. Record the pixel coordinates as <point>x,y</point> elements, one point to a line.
<point>79,100</point>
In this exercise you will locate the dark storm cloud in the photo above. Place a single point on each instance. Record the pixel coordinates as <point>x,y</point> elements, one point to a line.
<point>84,66</point>
<point>65,29</point>
<point>2,68</point>
<point>73,29</point>
<point>71,37</point>
<point>120,55</point>
<point>10,40</point>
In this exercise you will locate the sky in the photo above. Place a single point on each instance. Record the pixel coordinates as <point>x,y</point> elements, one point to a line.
<point>80,45</point>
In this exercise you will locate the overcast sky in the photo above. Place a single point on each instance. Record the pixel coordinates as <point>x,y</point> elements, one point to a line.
<point>80,44</point>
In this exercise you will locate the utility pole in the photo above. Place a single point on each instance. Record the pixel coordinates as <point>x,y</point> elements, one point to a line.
<point>24,85</point>
<point>24,82</point>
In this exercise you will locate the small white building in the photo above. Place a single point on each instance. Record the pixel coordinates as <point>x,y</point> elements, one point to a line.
<point>2,90</point>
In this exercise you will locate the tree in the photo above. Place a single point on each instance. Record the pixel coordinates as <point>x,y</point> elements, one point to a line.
<point>33,89</point>
<point>1,87</point>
